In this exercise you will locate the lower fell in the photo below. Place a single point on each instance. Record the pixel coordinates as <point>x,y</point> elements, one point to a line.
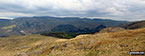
<point>116,43</point>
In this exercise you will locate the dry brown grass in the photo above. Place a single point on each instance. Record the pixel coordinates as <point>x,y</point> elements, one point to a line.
<point>99,44</point>
<point>18,44</point>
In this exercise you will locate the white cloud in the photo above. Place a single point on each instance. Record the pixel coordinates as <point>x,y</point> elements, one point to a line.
<point>115,9</point>
<point>5,18</point>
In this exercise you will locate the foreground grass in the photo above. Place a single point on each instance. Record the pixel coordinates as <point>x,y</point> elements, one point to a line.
<point>99,44</point>
<point>14,45</point>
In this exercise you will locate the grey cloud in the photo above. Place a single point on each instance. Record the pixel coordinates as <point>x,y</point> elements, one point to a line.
<point>114,9</point>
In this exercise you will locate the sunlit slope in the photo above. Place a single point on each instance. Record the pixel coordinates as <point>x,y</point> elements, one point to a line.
<point>99,44</point>
<point>14,45</point>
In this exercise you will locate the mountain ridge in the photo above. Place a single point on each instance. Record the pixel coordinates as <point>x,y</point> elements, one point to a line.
<point>31,25</point>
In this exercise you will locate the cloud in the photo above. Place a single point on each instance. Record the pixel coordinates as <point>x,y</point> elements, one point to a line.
<point>5,18</point>
<point>114,9</point>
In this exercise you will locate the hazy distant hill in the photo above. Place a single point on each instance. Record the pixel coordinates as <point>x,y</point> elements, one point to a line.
<point>4,22</point>
<point>29,25</point>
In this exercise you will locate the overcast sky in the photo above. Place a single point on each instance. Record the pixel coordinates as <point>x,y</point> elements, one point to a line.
<point>131,10</point>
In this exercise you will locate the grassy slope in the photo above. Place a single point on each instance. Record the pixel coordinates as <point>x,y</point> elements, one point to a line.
<point>135,25</point>
<point>99,44</point>
<point>19,44</point>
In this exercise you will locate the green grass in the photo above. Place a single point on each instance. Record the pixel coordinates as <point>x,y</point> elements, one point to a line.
<point>9,27</point>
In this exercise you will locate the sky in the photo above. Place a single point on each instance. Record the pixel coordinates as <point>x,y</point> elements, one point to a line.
<point>131,10</point>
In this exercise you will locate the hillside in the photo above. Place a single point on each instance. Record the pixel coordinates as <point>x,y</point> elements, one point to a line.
<point>30,25</point>
<point>98,44</point>
<point>6,28</point>
<point>134,25</point>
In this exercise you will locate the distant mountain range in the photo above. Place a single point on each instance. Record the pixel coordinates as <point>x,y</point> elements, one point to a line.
<point>30,25</point>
